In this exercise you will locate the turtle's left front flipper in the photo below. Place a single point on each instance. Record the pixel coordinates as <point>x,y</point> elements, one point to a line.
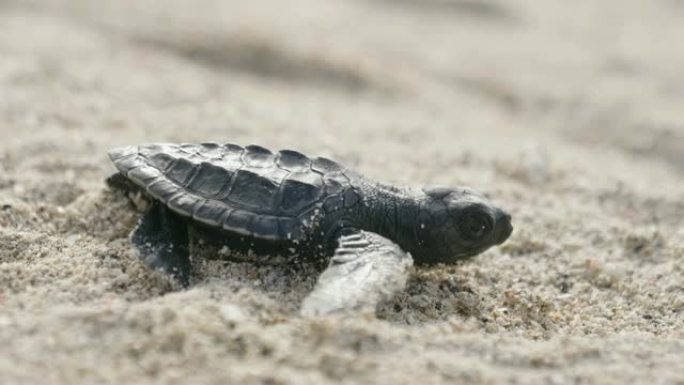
<point>365,270</point>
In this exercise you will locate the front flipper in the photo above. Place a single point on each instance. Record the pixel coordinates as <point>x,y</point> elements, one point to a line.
<point>365,270</point>
<point>161,240</point>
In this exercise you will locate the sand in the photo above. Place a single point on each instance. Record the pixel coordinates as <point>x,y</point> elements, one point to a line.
<point>566,113</point>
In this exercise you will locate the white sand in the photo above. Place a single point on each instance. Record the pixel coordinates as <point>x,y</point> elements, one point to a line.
<point>567,113</point>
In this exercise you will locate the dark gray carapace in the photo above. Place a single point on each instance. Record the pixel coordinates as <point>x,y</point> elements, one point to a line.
<point>246,190</point>
<point>309,206</point>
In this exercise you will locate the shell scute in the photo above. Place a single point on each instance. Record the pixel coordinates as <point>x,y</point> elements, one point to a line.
<point>210,180</point>
<point>239,221</point>
<point>334,186</point>
<point>266,227</point>
<point>144,174</point>
<point>252,190</point>
<point>275,174</point>
<point>333,203</point>
<point>121,152</point>
<point>310,178</point>
<point>183,204</point>
<point>155,148</point>
<point>293,161</point>
<point>297,196</point>
<point>256,149</point>
<point>299,191</point>
<point>161,160</point>
<point>232,148</point>
<point>181,171</point>
<point>162,189</point>
<point>128,162</point>
<point>210,212</point>
<point>211,150</point>
<point>325,165</point>
<point>191,148</point>
<point>210,146</point>
<point>258,157</point>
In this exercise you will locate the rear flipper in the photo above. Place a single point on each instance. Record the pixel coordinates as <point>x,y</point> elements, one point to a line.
<point>365,270</point>
<point>161,240</point>
<point>119,182</point>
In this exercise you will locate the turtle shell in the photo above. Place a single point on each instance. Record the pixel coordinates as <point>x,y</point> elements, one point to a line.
<point>246,190</point>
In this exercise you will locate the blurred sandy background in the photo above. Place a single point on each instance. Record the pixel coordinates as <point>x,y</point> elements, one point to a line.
<point>567,113</point>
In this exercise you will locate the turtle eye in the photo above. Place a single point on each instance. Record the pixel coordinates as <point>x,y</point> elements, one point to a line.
<point>474,226</point>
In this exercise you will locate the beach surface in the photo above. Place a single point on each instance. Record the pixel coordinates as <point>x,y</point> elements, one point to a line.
<point>568,114</point>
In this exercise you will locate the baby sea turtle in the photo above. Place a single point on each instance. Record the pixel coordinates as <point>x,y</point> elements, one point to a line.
<point>286,203</point>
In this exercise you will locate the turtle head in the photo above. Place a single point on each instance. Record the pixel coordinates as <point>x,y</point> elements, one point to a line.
<point>455,224</point>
